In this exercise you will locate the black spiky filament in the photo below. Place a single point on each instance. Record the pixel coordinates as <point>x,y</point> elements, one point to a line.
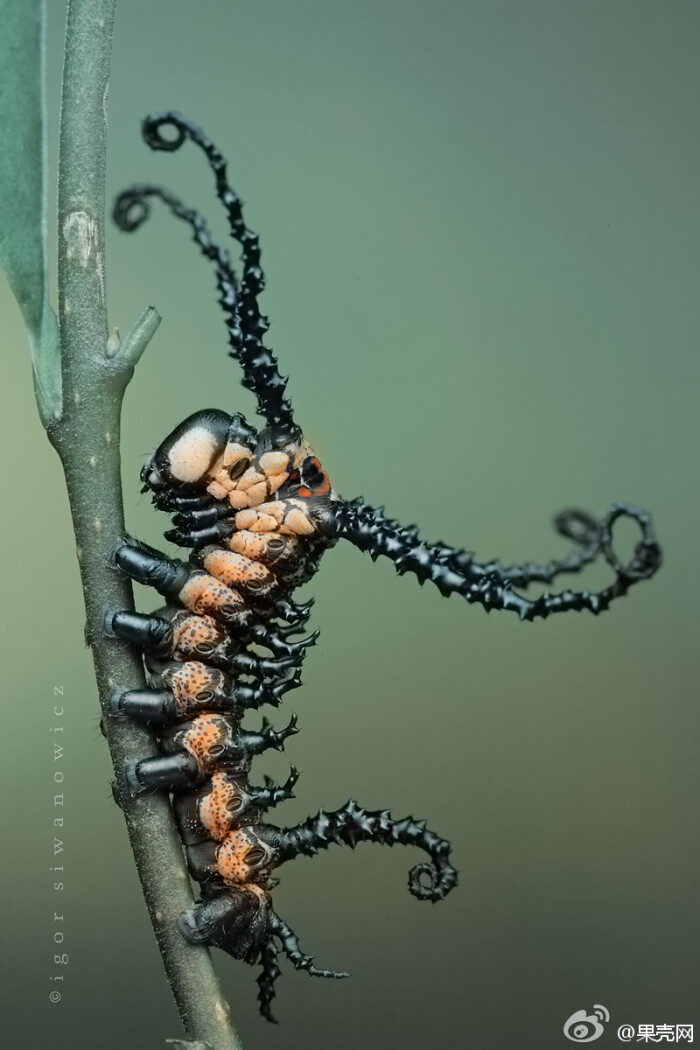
<point>492,584</point>
<point>246,326</point>
<point>269,972</point>
<point>352,824</point>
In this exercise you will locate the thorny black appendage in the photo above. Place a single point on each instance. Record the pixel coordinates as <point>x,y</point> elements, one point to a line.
<point>352,824</point>
<point>491,585</point>
<point>573,524</point>
<point>290,947</point>
<point>289,944</point>
<point>246,325</point>
<point>269,973</point>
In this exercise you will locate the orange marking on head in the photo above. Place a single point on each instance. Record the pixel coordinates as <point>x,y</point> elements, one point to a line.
<point>324,485</point>
<point>321,487</point>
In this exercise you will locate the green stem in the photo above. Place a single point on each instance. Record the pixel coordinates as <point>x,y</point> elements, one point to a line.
<point>86,437</point>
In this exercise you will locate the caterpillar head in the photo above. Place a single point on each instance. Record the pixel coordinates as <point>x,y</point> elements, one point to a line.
<point>223,457</point>
<point>196,450</point>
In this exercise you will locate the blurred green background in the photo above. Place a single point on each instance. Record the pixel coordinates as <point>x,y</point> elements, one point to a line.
<point>480,229</point>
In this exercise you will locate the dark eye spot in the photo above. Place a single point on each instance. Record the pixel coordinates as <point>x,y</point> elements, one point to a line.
<point>237,469</point>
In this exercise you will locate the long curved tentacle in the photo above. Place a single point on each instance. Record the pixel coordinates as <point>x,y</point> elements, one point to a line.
<point>132,208</point>
<point>253,278</point>
<point>246,325</point>
<point>352,824</point>
<point>573,524</point>
<point>576,525</point>
<point>491,585</point>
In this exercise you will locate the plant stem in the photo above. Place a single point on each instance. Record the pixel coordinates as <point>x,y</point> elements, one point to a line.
<point>86,437</point>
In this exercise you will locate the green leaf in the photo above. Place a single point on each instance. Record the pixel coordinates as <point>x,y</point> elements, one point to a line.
<point>23,190</point>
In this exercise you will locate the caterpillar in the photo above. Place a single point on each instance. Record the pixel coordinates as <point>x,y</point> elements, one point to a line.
<point>256,511</point>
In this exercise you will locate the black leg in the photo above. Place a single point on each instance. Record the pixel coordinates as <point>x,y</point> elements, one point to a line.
<point>268,737</point>
<point>272,794</point>
<point>162,772</point>
<point>150,567</point>
<point>260,666</point>
<point>273,640</point>
<point>171,500</point>
<point>254,696</point>
<point>197,538</point>
<point>151,633</point>
<point>151,706</point>
<point>294,613</point>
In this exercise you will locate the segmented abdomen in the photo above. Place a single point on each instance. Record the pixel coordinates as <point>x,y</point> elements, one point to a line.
<point>231,599</point>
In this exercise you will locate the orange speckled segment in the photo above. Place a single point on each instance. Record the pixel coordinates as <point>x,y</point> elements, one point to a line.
<point>205,595</point>
<point>196,636</point>
<point>242,857</point>
<point>194,685</point>
<point>235,569</point>
<point>215,807</point>
<point>267,547</point>
<point>205,734</point>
